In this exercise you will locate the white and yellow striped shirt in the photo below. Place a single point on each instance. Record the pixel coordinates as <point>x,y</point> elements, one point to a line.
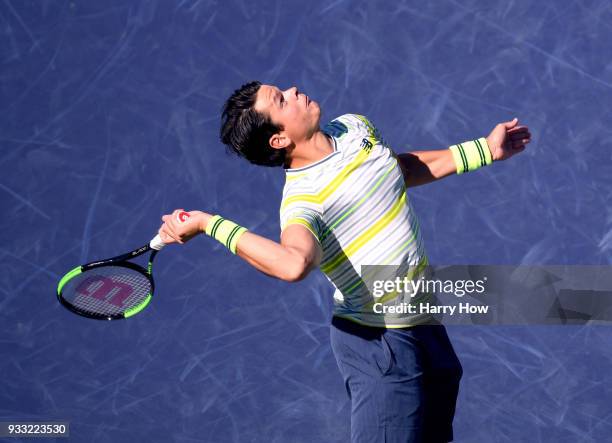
<point>354,202</point>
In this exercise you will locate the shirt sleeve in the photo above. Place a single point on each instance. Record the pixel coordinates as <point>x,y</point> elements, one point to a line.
<point>368,130</point>
<point>308,217</point>
<point>366,126</point>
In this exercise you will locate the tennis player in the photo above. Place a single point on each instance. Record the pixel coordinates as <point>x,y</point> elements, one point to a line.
<point>345,205</point>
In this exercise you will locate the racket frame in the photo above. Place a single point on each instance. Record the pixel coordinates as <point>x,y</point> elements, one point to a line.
<point>120,260</point>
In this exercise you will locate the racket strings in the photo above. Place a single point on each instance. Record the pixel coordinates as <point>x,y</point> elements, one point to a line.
<point>107,291</point>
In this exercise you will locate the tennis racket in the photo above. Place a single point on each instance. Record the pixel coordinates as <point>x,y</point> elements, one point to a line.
<point>113,288</point>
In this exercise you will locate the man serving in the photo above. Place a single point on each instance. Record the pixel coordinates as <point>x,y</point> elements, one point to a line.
<point>344,206</point>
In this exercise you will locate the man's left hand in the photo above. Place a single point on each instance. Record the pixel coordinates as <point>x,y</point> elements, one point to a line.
<point>508,139</point>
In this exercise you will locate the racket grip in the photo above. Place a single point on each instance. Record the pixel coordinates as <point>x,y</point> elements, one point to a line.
<point>157,243</point>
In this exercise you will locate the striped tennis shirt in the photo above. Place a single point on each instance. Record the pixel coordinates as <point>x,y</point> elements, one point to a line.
<point>354,202</point>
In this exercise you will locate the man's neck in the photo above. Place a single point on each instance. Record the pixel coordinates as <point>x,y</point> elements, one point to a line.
<point>311,151</point>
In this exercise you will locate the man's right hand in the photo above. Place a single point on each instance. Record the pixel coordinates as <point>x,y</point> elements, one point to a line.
<point>174,231</point>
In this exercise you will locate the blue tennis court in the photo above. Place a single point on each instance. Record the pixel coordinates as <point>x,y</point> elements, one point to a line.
<point>109,119</point>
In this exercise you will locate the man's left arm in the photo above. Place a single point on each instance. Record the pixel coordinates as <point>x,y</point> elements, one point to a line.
<point>504,141</point>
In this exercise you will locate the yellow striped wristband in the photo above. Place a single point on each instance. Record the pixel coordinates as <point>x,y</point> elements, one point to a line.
<point>471,155</point>
<point>225,231</point>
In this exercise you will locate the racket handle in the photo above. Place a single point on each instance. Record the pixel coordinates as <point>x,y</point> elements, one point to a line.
<point>157,243</point>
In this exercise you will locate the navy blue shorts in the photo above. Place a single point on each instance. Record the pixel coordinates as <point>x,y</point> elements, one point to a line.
<point>403,383</point>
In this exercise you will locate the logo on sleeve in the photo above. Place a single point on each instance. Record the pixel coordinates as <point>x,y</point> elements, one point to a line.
<point>366,145</point>
<point>335,128</point>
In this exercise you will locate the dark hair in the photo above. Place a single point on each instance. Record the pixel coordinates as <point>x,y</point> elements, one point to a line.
<point>247,132</point>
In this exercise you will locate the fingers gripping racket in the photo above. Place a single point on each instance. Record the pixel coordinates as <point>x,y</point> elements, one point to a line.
<point>113,288</point>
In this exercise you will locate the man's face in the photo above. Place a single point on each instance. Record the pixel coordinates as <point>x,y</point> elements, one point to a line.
<point>294,111</point>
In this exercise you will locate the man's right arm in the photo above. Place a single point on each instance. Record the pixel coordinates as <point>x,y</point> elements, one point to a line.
<point>291,260</point>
